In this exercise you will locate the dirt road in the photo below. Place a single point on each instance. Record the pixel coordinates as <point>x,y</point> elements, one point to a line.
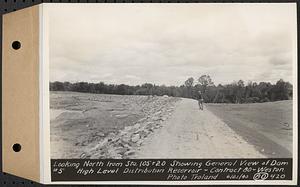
<point>193,133</point>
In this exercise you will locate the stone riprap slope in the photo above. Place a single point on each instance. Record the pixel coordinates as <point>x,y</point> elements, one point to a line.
<point>104,126</point>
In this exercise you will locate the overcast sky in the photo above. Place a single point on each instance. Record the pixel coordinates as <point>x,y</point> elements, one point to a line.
<point>168,43</point>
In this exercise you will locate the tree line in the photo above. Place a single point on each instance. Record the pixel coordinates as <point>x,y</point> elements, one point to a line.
<point>235,92</point>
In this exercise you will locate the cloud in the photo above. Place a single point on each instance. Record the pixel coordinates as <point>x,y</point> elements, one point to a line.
<point>281,59</point>
<point>167,43</point>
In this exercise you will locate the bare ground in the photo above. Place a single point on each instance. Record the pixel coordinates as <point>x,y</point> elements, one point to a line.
<point>80,122</point>
<point>113,126</point>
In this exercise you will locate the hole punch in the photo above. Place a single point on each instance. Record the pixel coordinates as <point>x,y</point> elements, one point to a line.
<point>16,45</point>
<point>16,147</point>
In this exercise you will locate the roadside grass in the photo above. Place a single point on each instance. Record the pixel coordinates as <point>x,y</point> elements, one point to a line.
<point>268,125</point>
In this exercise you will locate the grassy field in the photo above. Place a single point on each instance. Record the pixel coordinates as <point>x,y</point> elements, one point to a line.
<point>268,126</point>
<point>79,121</point>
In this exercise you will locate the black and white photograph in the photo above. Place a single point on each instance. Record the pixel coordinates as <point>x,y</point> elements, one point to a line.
<point>172,81</point>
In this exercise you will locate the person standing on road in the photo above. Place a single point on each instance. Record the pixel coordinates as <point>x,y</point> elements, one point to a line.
<point>200,100</point>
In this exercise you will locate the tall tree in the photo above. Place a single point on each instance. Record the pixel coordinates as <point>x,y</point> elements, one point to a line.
<point>189,82</point>
<point>189,87</point>
<point>204,82</point>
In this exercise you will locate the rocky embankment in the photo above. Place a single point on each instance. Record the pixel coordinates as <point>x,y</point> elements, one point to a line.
<point>127,141</point>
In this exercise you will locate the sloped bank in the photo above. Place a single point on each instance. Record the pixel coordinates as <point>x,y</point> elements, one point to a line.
<point>127,141</point>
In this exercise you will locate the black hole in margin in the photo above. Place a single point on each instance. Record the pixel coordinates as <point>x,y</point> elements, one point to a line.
<point>17,147</point>
<point>16,45</point>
